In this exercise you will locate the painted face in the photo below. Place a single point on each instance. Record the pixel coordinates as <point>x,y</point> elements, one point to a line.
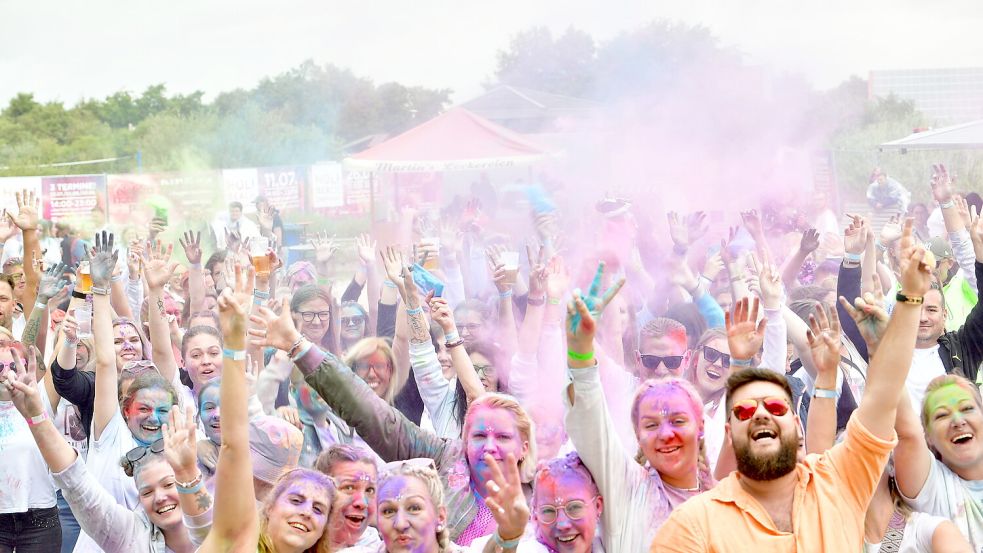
<point>352,323</point>
<point>668,430</point>
<point>470,326</point>
<point>298,517</point>
<point>486,370</point>
<point>7,305</point>
<point>158,494</point>
<point>492,431</point>
<point>711,368</point>
<point>146,413</point>
<point>203,360</point>
<point>376,371</point>
<point>931,324</point>
<point>408,519</point>
<point>301,278</point>
<point>319,313</point>
<point>765,445</point>
<point>210,413</point>
<point>354,504</point>
<point>566,513</point>
<point>669,350</point>
<point>954,422</point>
<point>128,346</point>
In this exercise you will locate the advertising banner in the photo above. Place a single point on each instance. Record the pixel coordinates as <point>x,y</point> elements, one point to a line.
<point>78,198</point>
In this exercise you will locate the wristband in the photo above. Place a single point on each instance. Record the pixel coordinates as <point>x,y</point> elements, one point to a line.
<point>449,344</point>
<point>40,305</point>
<point>116,278</point>
<point>911,300</point>
<point>536,302</point>
<point>261,294</point>
<point>196,265</point>
<point>234,354</point>
<point>98,291</point>
<point>825,393</point>
<point>505,294</point>
<point>506,544</point>
<point>948,204</point>
<point>852,257</point>
<point>388,283</point>
<point>304,348</point>
<point>37,419</point>
<point>415,311</point>
<point>194,481</point>
<point>452,336</point>
<point>554,301</point>
<point>78,295</point>
<point>192,490</point>
<point>742,363</point>
<point>70,341</point>
<point>881,246</point>
<point>580,356</point>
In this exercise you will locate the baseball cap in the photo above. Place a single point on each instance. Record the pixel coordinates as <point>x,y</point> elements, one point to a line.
<point>274,445</point>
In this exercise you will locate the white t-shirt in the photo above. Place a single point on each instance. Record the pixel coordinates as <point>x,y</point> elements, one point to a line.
<point>917,536</point>
<point>68,421</point>
<point>26,483</point>
<point>925,365</point>
<point>947,495</point>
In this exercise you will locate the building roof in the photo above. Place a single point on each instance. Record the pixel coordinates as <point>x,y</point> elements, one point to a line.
<point>511,103</point>
<point>966,136</point>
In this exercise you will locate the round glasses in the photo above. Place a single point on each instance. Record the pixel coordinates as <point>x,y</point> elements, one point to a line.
<point>575,510</point>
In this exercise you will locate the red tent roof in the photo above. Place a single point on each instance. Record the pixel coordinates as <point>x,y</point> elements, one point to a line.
<point>454,140</point>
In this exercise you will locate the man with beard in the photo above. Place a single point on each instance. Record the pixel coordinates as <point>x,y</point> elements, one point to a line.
<point>772,502</point>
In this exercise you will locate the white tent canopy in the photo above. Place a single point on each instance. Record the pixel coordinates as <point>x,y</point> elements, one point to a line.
<point>966,136</point>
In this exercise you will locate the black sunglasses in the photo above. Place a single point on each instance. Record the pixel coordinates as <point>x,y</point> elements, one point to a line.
<point>354,320</point>
<point>712,356</point>
<point>134,455</point>
<point>651,362</point>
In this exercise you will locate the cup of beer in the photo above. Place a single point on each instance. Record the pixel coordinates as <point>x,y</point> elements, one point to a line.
<point>510,262</point>
<point>85,278</point>
<point>432,245</point>
<point>83,315</point>
<point>258,255</point>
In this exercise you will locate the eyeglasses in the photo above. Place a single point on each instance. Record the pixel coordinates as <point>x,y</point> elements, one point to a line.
<point>134,455</point>
<point>354,320</point>
<point>484,370</point>
<point>746,408</point>
<point>322,316</point>
<point>12,365</point>
<point>419,462</point>
<point>470,327</point>
<point>712,356</point>
<point>377,369</point>
<point>575,510</point>
<point>671,362</point>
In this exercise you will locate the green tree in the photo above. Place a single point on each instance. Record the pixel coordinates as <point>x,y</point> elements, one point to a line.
<point>561,65</point>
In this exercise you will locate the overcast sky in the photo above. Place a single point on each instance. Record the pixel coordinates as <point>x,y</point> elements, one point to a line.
<point>66,50</point>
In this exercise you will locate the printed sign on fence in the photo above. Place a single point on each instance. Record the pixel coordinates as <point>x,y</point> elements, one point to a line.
<point>77,198</point>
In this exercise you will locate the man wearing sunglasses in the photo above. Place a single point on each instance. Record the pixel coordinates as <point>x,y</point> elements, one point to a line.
<point>775,503</point>
<point>661,349</point>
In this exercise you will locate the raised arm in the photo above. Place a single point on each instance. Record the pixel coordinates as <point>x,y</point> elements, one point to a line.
<point>850,278</point>
<point>808,244</point>
<point>157,271</point>
<point>52,282</point>
<point>824,341</point>
<point>181,451</point>
<point>912,458</point>
<point>235,525</point>
<point>889,368</point>
<point>463,368</point>
<point>27,220</point>
<point>191,242</point>
<point>102,259</point>
<point>508,337</point>
<point>365,250</point>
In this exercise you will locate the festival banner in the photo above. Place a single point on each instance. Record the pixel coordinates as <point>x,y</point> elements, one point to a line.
<point>283,186</point>
<point>327,187</point>
<point>78,198</point>
<point>241,185</point>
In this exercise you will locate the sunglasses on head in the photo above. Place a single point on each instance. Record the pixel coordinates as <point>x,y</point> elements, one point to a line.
<point>746,408</point>
<point>671,362</point>
<point>712,356</point>
<point>354,320</point>
<point>420,462</point>
<point>134,455</point>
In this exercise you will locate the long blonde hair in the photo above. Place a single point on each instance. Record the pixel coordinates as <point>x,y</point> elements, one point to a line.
<point>323,543</point>
<point>366,347</point>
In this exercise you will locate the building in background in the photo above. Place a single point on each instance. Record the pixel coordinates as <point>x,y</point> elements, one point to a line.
<point>943,95</point>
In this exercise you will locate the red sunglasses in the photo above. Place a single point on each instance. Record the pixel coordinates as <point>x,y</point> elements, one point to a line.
<point>746,408</point>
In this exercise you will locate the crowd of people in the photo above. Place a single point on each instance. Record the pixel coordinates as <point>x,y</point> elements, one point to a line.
<point>623,385</point>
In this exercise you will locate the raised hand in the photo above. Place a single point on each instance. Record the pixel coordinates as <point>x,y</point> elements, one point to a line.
<point>976,233</point>
<point>191,242</point>
<point>27,210</point>
<point>769,285</point>
<point>678,231</point>
<point>102,260</point>
<point>725,252</point>
<point>70,326</point>
<point>233,242</point>
<point>7,227</point>
<point>53,281</point>
<point>181,442</point>
<point>22,384</point>
<point>496,269</point>
<point>134,254</point>
<point>916,276</point>
<point>395,267</point>
<point>557,278</point>
<point>273,329</point>
<point>324,247</point>
<point>584,310</point>
<point>696,226</point>
<point>962,208</point>
<point>713,266</point>
<point>855,236</point>
<point>941,184</point>
<point>810,241</point>
<point>157,265</point>
<point>869,314</point>
<point>537,272</point>
<point>891,231</point>
<point>159,225</point>
<point>505,498</point>
<point>824,340</point>
<point>365,249</point>
<point>752,222</point>
<point>745,333</point>
<point>234,305</point>
<point>266,217</point>
<point>441,314</point>
<point>291,415</point>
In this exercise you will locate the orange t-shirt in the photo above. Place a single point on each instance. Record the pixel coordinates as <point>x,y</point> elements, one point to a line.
<point>828,509</point>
